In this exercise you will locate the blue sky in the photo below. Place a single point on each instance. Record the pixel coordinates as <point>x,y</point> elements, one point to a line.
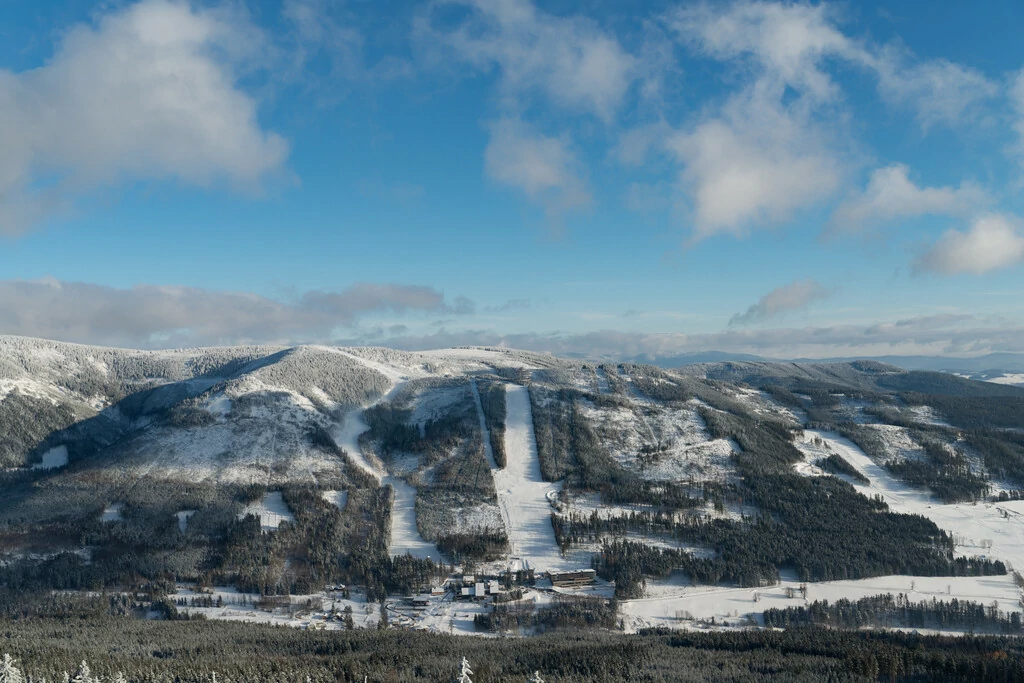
<point>603,179</point>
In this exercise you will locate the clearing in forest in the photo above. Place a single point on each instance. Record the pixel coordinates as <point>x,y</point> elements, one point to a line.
<point>523,495</point>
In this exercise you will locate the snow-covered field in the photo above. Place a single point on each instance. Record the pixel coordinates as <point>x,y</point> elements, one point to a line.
<point>336,498</point>
<point>346,435</point>
<point>112,513</point>
<point>1014,379</point>
<point>674,604</point>
<point>53,458</point>
<point>272,510</point>
<point>523,495</point>
<point>236,606</point>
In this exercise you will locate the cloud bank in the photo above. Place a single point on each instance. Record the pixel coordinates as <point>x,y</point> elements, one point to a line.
<point>925,335</point>
<point>157,316</point>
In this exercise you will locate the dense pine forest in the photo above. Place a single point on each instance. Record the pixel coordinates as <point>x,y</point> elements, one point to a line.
<point>193,652</point>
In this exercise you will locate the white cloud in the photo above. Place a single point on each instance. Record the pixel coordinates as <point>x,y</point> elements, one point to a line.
<point>327,47</point>
<point>795,296</point>
<point>149,92</point>
<point>792,42</point>
<point>780,143</point>
<point>755,164</point>
<point>941,91</point>
<point>993,242</point>
<point>152,315</point>
<point>788,42</point>
<point>891,195</point>
<point>545,168</point>
<point>768,151</point>
<point>571,61</point>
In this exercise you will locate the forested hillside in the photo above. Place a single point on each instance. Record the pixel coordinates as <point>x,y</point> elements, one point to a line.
<point>278,472</point>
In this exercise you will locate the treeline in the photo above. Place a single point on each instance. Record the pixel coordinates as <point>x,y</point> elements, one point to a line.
<point>975,412</point>
<point>568,448</point>
<point>452,472</point>
<point>984,424</point>
<point>944,470</point>
<point>565,612</point>
<point>492,400</point>
<point>837,464</point>
<point>478,545</point>
<point>190,652</point>
<point>889,611</point>
<point>322,545</point>
<point>819,527</point>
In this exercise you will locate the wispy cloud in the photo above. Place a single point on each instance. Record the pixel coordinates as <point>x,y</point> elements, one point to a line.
<point>781,141</point>
<point>544,168</point>
<point>795,296</point>
<point>568,61</point>
<point>891,195</point>
<point>925,335</point>
<point>510,305</point>
<point>541,61</point>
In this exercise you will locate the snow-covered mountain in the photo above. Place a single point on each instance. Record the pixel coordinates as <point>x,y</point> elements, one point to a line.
<point>118,466</point>
<point>213,412</point>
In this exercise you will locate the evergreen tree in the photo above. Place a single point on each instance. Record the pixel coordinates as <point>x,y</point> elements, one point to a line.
<point>465,672</point>
<point>9,673</point>
<point>84,675</point>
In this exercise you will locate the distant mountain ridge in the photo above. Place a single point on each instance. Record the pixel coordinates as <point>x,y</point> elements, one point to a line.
<point>987,367</point>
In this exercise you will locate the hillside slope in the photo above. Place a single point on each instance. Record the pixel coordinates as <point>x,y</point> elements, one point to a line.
<point>281,470</point>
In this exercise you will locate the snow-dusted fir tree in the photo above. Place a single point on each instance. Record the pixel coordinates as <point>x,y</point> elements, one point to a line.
<point>84,675</point>
<point>9,672</point>
<point>464,672</point>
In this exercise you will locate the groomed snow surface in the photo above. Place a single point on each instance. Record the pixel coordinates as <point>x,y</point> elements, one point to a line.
<point>405,535</point>
<point>523,495</point>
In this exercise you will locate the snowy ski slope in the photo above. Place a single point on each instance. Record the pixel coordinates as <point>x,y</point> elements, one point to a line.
<point>523,495</point>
